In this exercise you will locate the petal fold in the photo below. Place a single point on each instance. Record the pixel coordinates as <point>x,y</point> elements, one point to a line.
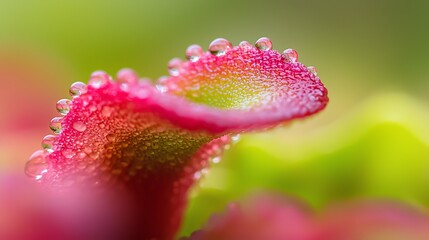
<point>151,142</point>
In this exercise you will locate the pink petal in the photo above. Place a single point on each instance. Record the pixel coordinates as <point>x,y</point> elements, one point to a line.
<point>150,143</point>
<point>263,217</point>
<point>276,218</point>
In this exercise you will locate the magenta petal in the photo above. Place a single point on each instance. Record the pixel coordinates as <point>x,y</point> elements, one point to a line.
<point>276,218</point>
<point>149,143</point>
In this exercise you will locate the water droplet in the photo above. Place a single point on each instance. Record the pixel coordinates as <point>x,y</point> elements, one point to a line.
<point>55,125</point>
<point>235,138</point>
<point>216,160</point>
<point>68,153</point>
<point>107,111</point>
<point>47,142</point>
<point>197,175</point>
<point>194,52</point>
<point>37,165</point>
<point>125,78</point>
<point>219,46</point>
<point>98,79</point>
<point>141,92</point>
<point>245,44</point>
<point>77,89</point>
<point>174,66</point>
<point>264,44</point>
<point>92,108</point>
<point>63,106</point>
<point>312,69</point>
<point>290,55</point>
<point>161,88</point>
<point>93,155</point>
<point>79,126</point>
<point>111,137</point>
<point>81,155</point>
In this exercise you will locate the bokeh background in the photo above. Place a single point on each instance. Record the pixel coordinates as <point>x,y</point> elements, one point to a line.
<point>371,142</point>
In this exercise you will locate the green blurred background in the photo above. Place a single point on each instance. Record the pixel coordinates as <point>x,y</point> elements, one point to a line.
<point>371,142</point>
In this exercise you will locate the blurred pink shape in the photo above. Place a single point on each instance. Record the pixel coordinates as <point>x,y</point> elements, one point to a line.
<point>276,218</point>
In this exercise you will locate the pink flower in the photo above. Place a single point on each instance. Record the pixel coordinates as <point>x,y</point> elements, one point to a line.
<point>149,144</point>
<point>277,218</point>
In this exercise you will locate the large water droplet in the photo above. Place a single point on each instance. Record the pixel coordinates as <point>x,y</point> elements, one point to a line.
<point>312,69</point>
<point>47,142</point>
<point>77,89</point>
<point>79,126</point>
<point>264,44</point>
<point>174,66</point>
<point>290,55</point>
<point>37,165</point>
<point>245,44</point>
<point>219,46</point>
<point>98,79</point>
<point>55,125</point>
<point>126,77</point>
<point>63,106</point>
<point>194,52</point>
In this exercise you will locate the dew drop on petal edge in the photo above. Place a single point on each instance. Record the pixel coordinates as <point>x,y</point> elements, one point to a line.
<point>55,125</point>
<point>219,46</point>
<point>78,88</point>
<point>194,52</point>
<point>37,165</point>
<point>216,160</point>
<point>98,79</point>
<point>245,44</point>
<point>312,69</point>
<point>174,66</point>
<point>126,78</point>
<point>264,44</point>
<point>63,106</point>
<point>290,55</point>
<point>235,138</point>
<point>47,142</point>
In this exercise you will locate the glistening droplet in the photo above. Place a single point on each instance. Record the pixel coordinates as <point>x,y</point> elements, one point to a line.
<point>194,52</point>
<point>235,138</point>
<point>215,160</point>
<point>63,106</point>
<point>264,44</point>
<point>107,111</point>
<point>37,165</point>
<point>219,46</point>
<point>55,125</point>
<point>290,55</point>
<point>245,44</point>
<point>174,66</point>
<point>78,88</point>
<point>126,78</point>
<point>47,142</point>
<point>68,153</point>
<point>111,137</point>
<point>312,69</point>
<point>98,79</point>
<point>79,126</point>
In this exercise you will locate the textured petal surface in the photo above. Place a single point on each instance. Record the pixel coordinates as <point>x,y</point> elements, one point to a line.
<point>150,143</point>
